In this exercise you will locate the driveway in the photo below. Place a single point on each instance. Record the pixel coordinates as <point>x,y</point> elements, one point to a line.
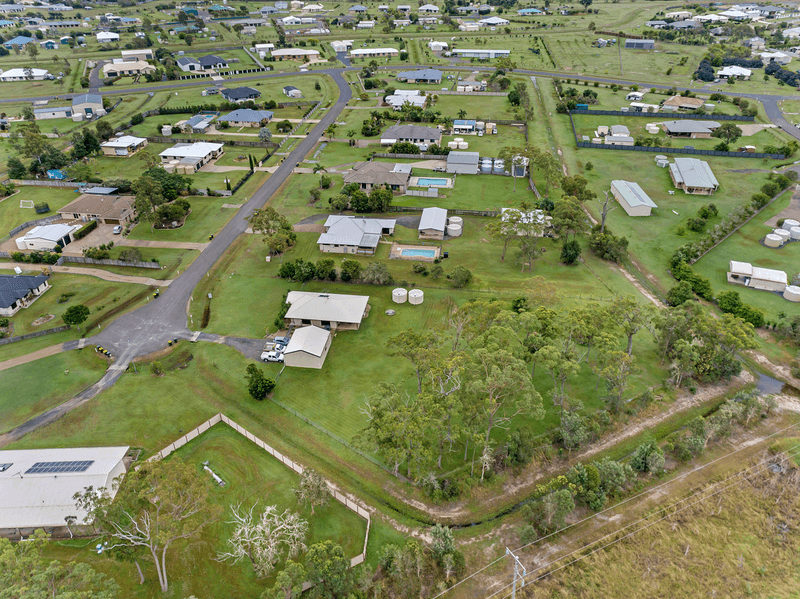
<point>102,235</point>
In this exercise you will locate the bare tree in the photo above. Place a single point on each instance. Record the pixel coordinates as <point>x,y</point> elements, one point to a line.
<point>265,540</point>
<point>313,489</point>
<point>605,207</point>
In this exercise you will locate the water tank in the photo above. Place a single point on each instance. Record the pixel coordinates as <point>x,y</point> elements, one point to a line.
<point>458,139</point>
<point>456,220</point>
<point>794,233</point>
<point>415,296</point>
<point>499,166</point>
<point>789,223</point>
<point>792,293</point>
<point>660,157</point>
<point>463,145</point>
<point>399,296</point>
<point>662,163</point>
<point>166,130</point>
<point>454,230</point>
<point>773,241</point>
<point>783,234</point>
<point>480,125</point>
<point>453,145</point>
<point>486,166</point>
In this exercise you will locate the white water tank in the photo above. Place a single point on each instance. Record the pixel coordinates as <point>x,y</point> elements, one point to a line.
<point>792,293</point>
<point>456,220</point>
<point>458,139</point>
<point>463,145</point>
<point>783,234</point>
<point>415,296</point>
<point>454,230</point>
<point>794,232</point>
<point>166,130</point>
<point>399,296</point>
<point>453,145</point>
<point>662,163</point>
<point>773,241</point>
<point>789,223</point>
<point>660,157</point>
<point>486,166</point>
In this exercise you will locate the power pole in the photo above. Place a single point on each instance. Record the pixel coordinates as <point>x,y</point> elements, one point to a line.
<point>517,566</point>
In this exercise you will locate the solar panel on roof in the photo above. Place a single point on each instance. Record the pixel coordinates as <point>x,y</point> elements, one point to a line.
<point>59,467</point>
<point>4,467</point>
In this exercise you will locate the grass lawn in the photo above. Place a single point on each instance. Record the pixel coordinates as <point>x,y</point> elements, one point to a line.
<point>474,192</point>
<point>11,215</point>
<point>491,145</point>
<point>171,260</point>
<point>483,108</point>
<point>44,392</point>
<point>744,246</point>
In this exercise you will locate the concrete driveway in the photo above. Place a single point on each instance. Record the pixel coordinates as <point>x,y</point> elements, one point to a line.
<point>101,235</point>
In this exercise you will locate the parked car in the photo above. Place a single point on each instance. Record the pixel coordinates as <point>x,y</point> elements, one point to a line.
<point>117,229</point>
<point>281,340</point>
<point>272,356</point>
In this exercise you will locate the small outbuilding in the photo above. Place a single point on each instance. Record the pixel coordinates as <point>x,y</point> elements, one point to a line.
<point>307,348</point>
<point>765,279</point>
<point>46,237</point>
<point>433,223</point>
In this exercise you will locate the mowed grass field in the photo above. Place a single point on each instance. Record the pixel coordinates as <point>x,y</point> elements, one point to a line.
<point>30,389</point>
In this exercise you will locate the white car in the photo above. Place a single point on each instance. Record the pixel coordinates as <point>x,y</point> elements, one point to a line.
<point>117,229</point>
<point>271,356</point>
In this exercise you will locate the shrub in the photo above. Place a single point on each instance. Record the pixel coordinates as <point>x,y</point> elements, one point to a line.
<point>85,230</point>
<point>460,277</point>
<point>325,182</point>
<point>137,119</point>
<point>696,224</point>
<point>648,457</point>
<point>570,252</point>
<point>607,246</point>
<point>680,293</point>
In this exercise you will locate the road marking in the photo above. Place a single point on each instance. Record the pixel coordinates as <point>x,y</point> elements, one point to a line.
<point>195,336</point>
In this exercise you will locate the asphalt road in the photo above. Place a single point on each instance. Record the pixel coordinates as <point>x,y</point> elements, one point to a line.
<point>151,326</point>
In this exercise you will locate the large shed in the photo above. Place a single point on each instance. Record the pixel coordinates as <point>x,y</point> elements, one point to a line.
<point>307,348</point>
<point>37,485</point>
<point>765,279</point>
<point>632,198</point>
<point>433,223</point>
<point>465,163</point>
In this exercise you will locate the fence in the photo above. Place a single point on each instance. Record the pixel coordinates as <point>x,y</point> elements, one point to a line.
<point>456,93</point>
<point>32,223</point>
<point>663,150</point>
<point>84,260</point>
<point>47,183</point>
<point>450,211</point>
<point>414,156</point>
<point>667,115</point>
<point>431,192</point>
<point>8,340</point>
<point>227,142</point>
<point>621,34</point>
<point>221,418</point>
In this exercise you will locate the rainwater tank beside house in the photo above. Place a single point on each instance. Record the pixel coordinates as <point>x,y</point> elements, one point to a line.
<point>415,296</point>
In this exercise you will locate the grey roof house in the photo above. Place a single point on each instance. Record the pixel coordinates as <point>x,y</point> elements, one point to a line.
<point>210,61</point>
<point>411,133</point>
<point>375,174</point>
<point>690,129</point>
<point>354,234</point>
<point>188,63</point>
<point>326,310</point>
<point>421,76</point>
<point>240,94</point>
<point>693,176</point>
<point>247,117</point>
<point>18,292</point>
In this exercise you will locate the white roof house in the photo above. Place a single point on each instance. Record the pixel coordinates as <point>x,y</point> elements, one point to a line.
<point>21,75</point>
<point>397,101</point>
<point>493,22</point>
<point>354,234</point>
<point>46,237</point>
<point>123,145</point>
<point>37,485</point>
<point>107,36</point>
<point>734,71</point>
<point>374,52</point>
<point>308,347</point>
<point>632,198</point>
<point>334,310</point>
<point>766,279</point>
<point>199,149</point>
<point>777,57</point>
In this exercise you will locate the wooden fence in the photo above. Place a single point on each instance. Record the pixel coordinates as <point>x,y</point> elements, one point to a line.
<point>338,496</point>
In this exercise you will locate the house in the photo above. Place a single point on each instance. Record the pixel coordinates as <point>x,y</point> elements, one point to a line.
<point>127,68</point>
<point>693,176</point>
<point>764,279</point>
<point>756,43</point>
<point>632,198</point>
<point>18,42</point>
<point>403,8</point>
<point>398,100</point>
<point>481,54</point>
<point>432,223</point>
<point>240,94</point>
<point>690,129</point>
<point>463,163</point>
<point>635,96</point>
<point>46,237</point>
<point>188,64</point>
<point>307,348</point>
<point>735,15</point>
<point>791,33</point>
<point>735,72</point>
<point>53,112</point>
<point>267,10</point>
<point>469,27</point>
<point>246,117</point>
<point>421,76</point>
<point>428,9</point>
<point>359,8</point>
<point>9,8</point>
<point>776,57</point>
<point>290,21</point>
<point>49,44</point>
<point>493,22</point>
<point>25,74</point>
<point>353,234</point>
<point>39,485</point>
<point>684,25</point>
<point>297,4</point>
<point>639,44</point>
<point>681,102</point>
<point>525,12</point>
<point>88,105</point>
<point>401,22</point>
<point>139,54</point>
<point>264,47</point>
<point>211,61</point>
<point>334,311</point>
<point>365,25</point>
<point>189,158</point>
<point>618,140</point>
<point>411,133</point>
<point>373,52</point>
<point>437,46</point>
<point>376,174</point>
<point>678,15</point>
<point>313,8</point>
<point>291,91</point>
<point>126,145</point>
<point>106,209</point>
<point>656,24</point>
<point>105,37</point>
<point>464,126</point>
<point>295,54</point>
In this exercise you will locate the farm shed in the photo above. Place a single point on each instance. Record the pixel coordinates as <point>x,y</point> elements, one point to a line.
<point>307,348</point>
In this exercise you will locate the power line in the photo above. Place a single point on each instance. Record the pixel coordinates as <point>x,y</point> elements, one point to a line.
<point>614,507</point>
<point>648,525</point>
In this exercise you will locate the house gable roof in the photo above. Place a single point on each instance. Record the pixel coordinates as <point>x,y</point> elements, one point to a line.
<point>310,340</point>
<point>15,287</point>
<point>433,218</point>
<point>333,307</point>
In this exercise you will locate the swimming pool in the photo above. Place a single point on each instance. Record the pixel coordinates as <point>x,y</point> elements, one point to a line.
<point>428,182</point>
<point>418,252</point>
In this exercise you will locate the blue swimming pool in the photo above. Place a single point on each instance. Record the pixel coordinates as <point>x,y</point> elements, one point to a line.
<point>428,182</point>
<point>419,252</point>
